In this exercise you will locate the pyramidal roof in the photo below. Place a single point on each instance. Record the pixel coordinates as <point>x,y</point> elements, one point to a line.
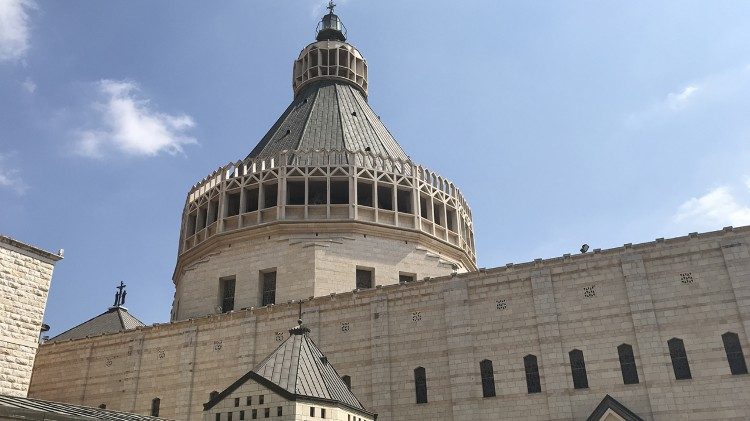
<point>115,319</point>
<point>298,369</point>
<point>329,115</point>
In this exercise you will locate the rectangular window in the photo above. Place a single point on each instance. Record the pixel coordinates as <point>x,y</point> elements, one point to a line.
<point>423,209</point>
<point>261,399</point>
<point>437,213</point>
<point>229,416</point>
<point>450,219</point>
<point>735,356</point>
<point>322,412</point>
<point>236,401</point>
<point>218,417</point>
<point>312,411</point>
<point>270,195</point>
<point>192,219</point>
<point>627,364</point>
<point>317,192</point>
<point>254,414</point>
<point>364,278</point>
<point>578,369</point>
<point>266,412</point>
<point>268,294</point>
<point>242,415</point>
<point>339,192</point>
<point>233,204</point>
<point>533,385</point>
<point>403,199</point>
<point>279,411</point>
<point>227,296</point>
<point>202,217</point>
<point>405,278</point>
<point>680,363</point>
<point>249,401</point>
<point>213,211</point>
<point>295,192</point>
<point>364,194</point>
<point>420,384</point>
<point>251,199</point>
<point>385,197</point>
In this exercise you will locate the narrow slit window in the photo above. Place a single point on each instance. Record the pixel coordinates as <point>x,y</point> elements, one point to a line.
<point>578,369</point>
<point>268,293</point>
<point>279,411</point>
<point>202,217</point>
<point>364,194</point>
<point>420,384</point>
<point>627,364</point>
<point>226,287</point>
<point>735,356</point>
<point>533,385</point>
<point>385,197</point>
<point>437,211</point>
<point>450,219</point>
<point>680,363</point>
<point>213,211</point>
<point>423,208</point>
<point>270,195</point>
<point>403,200</point>
<point>295,192</point>
<point>339,192</point>
<point>317,192</point>
<point>233,204</point>
<point>488,378</point>
<point>191,224</point>
<point>155,404</point>
<point>347,381</point>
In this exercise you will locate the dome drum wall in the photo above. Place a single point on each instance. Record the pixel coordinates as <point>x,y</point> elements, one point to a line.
<point>330,60</point>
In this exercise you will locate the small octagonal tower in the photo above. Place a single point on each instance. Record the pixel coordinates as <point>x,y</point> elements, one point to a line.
<point>326,202</point>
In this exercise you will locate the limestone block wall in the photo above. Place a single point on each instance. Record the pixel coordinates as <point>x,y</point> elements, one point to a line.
<point>25,276</point>
<point>694,288</point>
<point>306,265</point>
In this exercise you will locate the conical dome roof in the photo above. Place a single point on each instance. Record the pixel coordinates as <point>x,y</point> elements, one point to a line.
<point>329,115</point>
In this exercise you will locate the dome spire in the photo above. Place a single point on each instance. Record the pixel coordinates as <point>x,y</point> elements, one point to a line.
<point>330,27</point>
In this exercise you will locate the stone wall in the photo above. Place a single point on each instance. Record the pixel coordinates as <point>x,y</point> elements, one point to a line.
<point>306,264</point>
<point>694,288</point>
<point>25,275</point>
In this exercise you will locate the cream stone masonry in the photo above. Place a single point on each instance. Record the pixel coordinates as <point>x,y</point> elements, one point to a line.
<point>25,276</point>
<point>694,288</point>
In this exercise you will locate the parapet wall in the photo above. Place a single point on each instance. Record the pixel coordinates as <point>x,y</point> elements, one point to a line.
<point>694,288</point>
<point>25,275</point>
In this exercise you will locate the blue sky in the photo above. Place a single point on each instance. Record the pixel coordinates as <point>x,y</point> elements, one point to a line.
<point>564,122</point>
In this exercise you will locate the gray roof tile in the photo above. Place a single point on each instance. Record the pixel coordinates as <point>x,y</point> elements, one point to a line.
<point>19,406</point>
<point>115,319</point>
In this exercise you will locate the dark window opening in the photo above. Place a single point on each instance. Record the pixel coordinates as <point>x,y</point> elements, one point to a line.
<point>385,197</point>
<point>437,213</point>
<point>236,401</point>
<point>155,403</point>
<point>233,204</point>
<point>254,414</point>
<point>578,368</point>
<point>312,411</point>
<point>103,406</point>
<point>403,201</point>
<point>339,192</point>
<point>680,363</point>
<point>227,298</point>
<point>322,412</point>
<point>364,194</point>
<point>423,209</point>
<point>268,294</point>
<point>229,416</point>
<point>347,381</point>
<point>266,412</point>
<point>450,219</point>
<point>249,401</point>
<point>218,417</point>
<point>627,364</point>
<point>317,192</point>
<point>364,278</point>
<point>270,195</point>
<point>735,356</point>
<point>213,211</point>
<point>251,200</point>
<point>405,278</point>
<point>279,411</point>
<point>488,378</point>
<point>202,217</point>
<point>242,415</point>
<point>192,219</point>
<point>420,384</point>
<point>533,385</point>
<point>295,192</point>
<point>261,399</point>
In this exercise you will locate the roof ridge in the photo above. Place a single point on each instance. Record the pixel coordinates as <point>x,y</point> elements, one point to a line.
<point>80,324</point>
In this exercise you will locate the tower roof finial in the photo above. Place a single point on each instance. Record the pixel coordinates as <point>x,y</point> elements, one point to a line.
<point>330,27</point>
<point>330,7</point>
<point>120,295</point>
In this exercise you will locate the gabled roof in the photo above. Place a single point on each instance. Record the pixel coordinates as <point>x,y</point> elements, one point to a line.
<point>611,404</point>
<point>298,369</point>
<point>25,408</point>
<point>329,115</point>
<point>115,319</point>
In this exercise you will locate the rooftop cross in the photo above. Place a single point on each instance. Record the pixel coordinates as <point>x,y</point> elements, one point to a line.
<point>120,295</point>
<point>331,6</point>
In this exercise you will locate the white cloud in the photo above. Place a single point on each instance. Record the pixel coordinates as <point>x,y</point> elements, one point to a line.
<point>28,84</point>
<point>9,176</point>
<point>14,28</point>
<point>677,101</point>
<point>718,207</point>
<point>127,123</point>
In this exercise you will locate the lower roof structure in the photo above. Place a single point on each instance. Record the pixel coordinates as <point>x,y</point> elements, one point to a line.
<point>18,408</point>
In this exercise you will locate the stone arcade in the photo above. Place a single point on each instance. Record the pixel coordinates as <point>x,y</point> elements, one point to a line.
<point>328,213</point>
